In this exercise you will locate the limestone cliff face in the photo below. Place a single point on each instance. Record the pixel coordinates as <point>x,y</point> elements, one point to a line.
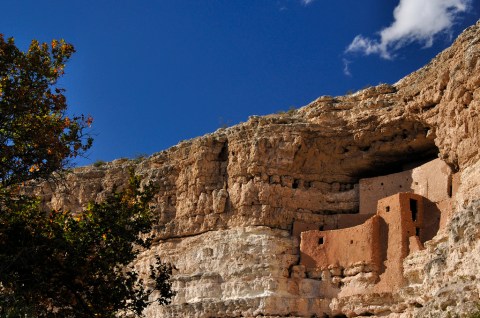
<point>227,201</point>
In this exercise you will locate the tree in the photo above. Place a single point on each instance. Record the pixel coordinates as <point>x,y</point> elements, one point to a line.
<point>36,136</point>
<point>53,263</point>
<point>78,266</point>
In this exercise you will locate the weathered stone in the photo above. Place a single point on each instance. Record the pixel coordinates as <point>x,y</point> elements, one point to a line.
<point>228,201</point>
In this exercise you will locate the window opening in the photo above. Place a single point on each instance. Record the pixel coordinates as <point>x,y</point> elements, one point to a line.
<point>320,241</point>
<point>417,231</point>
<point>413,209</point>
<point>387,209</point>
<point>295,184</point>
<point>450,186</point>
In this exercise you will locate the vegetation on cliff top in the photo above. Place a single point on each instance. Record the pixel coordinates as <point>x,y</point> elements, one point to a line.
<point>54,263</point>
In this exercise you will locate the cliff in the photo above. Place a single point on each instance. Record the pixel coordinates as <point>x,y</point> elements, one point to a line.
<point>228,201</point>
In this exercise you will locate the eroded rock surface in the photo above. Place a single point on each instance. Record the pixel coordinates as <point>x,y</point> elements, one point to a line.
<point>227,201</point>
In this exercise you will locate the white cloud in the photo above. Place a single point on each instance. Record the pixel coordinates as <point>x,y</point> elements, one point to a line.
<point>307,2</point>
<point>346,67</point>
<point>415,21</point>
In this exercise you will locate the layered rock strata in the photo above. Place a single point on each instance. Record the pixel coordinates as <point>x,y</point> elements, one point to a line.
<point>227,202</point>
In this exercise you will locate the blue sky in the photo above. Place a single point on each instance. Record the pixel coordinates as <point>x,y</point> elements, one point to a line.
<point>155,72</point>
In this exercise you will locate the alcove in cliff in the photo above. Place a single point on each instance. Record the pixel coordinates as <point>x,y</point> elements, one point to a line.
<point>402,148</point>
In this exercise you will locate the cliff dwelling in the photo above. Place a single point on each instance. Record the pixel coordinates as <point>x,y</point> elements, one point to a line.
<point>338,209</point>
<point>398,213</point>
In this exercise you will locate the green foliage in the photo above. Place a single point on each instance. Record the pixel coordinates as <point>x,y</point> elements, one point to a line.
<point>98,163</point>
<point>77,265</point>
<point>140,157</point>
<point>291,111</point>
<point>54,263</point>
<point>36,136</point>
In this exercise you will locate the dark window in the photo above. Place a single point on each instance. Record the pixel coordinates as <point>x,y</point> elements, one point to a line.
<point>351,241</point>
<point>321,228</point>
<point>450,186</point>
<point>413,209</point>
<point>387,209</point>
<point>295,184</point>
<point>417,231</point>
<point>320,241</point>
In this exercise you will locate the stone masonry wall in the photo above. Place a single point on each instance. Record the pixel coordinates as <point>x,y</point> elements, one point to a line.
<point>342,248</point>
